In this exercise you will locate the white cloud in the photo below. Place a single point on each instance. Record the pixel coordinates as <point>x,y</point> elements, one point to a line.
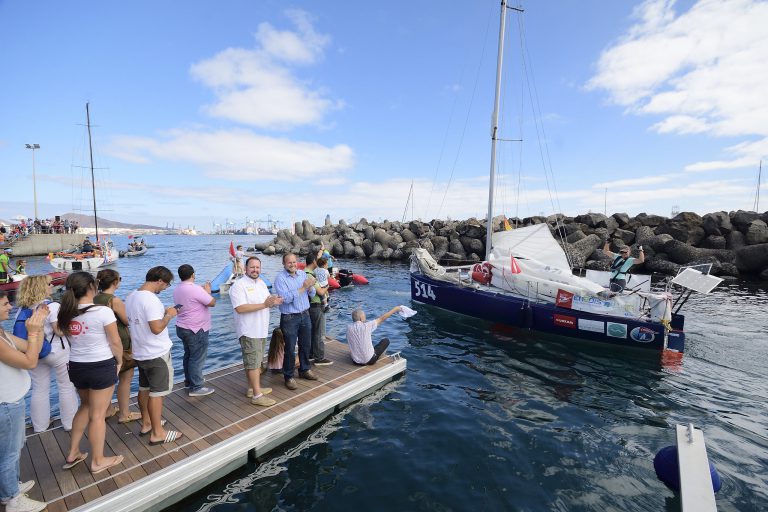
<point>634,182</point>
<point>239,154</point>
<point>701,71</point>
<point>258,87</point>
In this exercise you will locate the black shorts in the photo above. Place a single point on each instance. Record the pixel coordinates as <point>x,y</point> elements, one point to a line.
<point>96,375</point>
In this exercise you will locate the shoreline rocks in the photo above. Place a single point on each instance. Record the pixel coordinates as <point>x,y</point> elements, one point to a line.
<point>735,243</point>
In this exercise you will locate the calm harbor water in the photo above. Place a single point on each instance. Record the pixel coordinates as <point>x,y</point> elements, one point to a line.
<point>491,419</point>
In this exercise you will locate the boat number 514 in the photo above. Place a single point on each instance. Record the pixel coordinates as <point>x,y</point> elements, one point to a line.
<point>424,290</point>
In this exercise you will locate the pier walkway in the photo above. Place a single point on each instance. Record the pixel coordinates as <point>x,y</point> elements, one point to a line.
<point>219,431</point>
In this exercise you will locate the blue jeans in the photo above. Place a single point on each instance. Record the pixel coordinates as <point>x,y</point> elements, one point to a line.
<point>195,351</point>
<point>11,443</point>
<point>296,327</point>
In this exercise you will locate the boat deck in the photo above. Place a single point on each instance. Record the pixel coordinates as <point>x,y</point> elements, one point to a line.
<point>219,431</point>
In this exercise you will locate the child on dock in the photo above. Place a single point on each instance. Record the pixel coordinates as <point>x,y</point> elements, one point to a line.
<point>322,274</point>
<point>277,352</point>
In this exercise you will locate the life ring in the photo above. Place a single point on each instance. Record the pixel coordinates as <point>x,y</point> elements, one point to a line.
<point>481,272</point>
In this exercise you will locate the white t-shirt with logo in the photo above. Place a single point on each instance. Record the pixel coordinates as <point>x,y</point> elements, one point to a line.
<point>88,335</point>
<point>247,291</point>
<point>142,306</point>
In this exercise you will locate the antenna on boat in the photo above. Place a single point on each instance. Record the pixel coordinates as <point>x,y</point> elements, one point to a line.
<point>93,180</point>
<point>756,207</point>
<point>411,202</point>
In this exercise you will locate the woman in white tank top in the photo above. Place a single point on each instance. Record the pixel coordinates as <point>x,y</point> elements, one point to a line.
<point>16,357</point>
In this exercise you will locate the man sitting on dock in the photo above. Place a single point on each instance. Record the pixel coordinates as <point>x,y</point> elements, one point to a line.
<point>295,288</point>
<point>251,301</point>
<point>148,322</point>
<point>359,337</point>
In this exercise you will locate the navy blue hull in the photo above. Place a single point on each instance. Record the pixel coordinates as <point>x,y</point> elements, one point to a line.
<point>546,318</point>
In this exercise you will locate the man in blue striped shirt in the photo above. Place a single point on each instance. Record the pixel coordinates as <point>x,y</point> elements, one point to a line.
<point>295,288</point>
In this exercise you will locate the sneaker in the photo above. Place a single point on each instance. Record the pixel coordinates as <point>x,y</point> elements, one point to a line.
<point>264,391</point>
<point>24,488</point>
<point>201,391</point>
<point>308,375</point>
<point>291,384</point>
<point>22,503</point>
<point>323,362</point>
<point>263,401</point>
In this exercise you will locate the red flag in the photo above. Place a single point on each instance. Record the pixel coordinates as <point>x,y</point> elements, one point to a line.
<point>232,249</point>
<point>514,266</point>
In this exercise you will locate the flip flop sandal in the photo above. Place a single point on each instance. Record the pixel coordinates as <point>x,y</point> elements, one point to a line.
<point>131,417</point>
<point>80,458</point>
<point>111,412</point>
<point>170,437</point>
<point>162,424</point>
<point>117,461</point>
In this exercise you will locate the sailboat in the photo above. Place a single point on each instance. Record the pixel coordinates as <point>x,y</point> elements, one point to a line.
<point>104,253</point>
<point>526,281</point>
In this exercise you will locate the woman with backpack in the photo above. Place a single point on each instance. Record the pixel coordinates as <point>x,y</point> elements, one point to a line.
<point>35,290</point>
<point>108,281</point>
<point>16,357</point>
<point>94,363</point>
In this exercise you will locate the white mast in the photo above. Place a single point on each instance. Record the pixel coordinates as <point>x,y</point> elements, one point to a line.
<point>494,130</point>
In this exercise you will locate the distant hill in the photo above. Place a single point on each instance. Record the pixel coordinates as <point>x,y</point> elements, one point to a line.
<point>86,221</point>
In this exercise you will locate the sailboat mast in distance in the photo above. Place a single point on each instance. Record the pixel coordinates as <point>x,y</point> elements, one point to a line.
<point>93,180</point>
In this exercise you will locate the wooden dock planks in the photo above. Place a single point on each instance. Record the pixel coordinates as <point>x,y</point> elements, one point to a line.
<point>205,422</point>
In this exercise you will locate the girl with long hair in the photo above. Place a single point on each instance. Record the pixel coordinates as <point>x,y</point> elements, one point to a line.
<point>33,291</point>
<point>17,355</point>
<point>108,281</point>
<point>94,363</point>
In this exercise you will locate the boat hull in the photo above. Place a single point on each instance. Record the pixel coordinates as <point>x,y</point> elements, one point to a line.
<point>73,263</point>
<point>57,280</point>
<point>545,318</point>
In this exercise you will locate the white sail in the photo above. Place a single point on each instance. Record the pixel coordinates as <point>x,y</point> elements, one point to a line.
<point>533,243</point>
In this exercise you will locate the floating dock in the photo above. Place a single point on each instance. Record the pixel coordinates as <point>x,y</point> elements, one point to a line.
<point>219,432</point>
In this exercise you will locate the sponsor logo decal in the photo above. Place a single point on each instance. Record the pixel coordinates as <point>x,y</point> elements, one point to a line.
<point>565,321</point>
<point>564,299</point>
<point>591,325</point>
<point>642,334</point>
<point>617,330</point>
<point>75,328</point>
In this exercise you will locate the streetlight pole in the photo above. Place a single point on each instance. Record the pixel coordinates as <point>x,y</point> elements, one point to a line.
<point>33,147</point>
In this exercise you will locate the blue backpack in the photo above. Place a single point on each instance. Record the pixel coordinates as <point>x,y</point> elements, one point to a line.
<point>20,330</point>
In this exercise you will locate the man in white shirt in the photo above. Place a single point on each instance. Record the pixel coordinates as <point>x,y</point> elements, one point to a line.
<point>359,337</point>
<point>148,322</point>
<point>251,301</point>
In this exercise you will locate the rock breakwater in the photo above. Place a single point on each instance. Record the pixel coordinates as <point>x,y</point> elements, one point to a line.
<point>735,243</point>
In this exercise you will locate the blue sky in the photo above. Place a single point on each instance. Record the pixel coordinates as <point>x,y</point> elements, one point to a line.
<point>239,109</point>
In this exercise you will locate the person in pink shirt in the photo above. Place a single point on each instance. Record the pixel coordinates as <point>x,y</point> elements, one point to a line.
<point>193,325</point>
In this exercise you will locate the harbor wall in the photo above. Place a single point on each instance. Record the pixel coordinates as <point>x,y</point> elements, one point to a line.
<point>38,245</point>
<point>735,243</point>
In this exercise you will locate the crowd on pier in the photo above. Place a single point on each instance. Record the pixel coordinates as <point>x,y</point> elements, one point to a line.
<point>92,341</point>
<point>26,227</point>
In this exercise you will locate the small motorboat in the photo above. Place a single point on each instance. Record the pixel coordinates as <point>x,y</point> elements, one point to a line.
<point>132,253</point>
<point>57,279</point>
<point>340,278</point>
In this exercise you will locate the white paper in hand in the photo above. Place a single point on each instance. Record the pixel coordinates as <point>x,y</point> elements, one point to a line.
<point>406,312</point>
